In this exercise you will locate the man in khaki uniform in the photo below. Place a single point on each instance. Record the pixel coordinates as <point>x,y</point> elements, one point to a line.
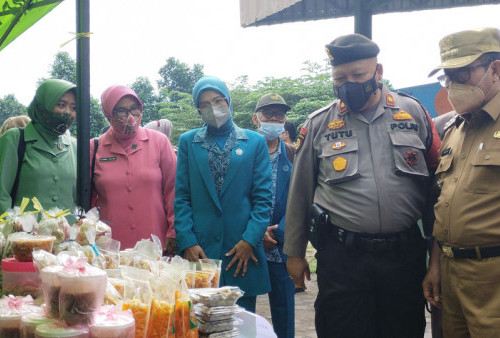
<point>464,274</point>
<point>366,160</point>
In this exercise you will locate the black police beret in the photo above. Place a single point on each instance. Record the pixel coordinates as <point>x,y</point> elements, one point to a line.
<point>351,47</point>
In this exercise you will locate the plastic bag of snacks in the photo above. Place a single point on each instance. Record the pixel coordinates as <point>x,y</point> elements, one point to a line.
<point>112,322</point>
<point>110,250</point>
<point>54,223</point>
<point>23,244</point>
<point>212,266</point>
<point>111,295</point>
<point>90,220</point>
<point>11,311</point>
<point>71,245</point>
<point>82,291</point>
<point>92,251</point>
<point>16,219</point>
<point>184,321</point>
<point>42,258</point>
<point>161,320</point>
<point>137,298</point>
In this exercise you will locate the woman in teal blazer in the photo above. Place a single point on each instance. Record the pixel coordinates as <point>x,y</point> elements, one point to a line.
<point>223,193</point>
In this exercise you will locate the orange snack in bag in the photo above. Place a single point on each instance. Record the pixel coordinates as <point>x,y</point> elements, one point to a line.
<point>140,312</point>
<point>161,320</point>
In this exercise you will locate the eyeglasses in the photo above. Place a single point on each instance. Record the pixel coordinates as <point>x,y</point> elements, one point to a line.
<point>461,75</point>
<point>216,102</point>
<point>123,112</point>
<point>269,114</point>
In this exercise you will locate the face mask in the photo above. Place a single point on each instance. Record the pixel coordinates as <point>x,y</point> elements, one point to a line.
<point>271,130</point>
<point>216,116</point>
<point>61,122</point>
<point>355,94</point>
<point>128,126</point>
<point>466,98</point>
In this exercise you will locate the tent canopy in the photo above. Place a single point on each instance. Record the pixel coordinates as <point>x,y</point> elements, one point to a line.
<point>16,16</point>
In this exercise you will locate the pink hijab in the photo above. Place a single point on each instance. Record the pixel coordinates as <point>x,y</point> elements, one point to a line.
<point>109,99</point>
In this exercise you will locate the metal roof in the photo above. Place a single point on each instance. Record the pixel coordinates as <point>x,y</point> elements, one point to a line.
<point>270,12</point>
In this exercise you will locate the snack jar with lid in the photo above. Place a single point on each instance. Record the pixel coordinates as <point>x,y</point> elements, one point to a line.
<point>59,330</point>
<point>10,326</point>
<point>51,286</point>
<point>23,245</point>
<point>31,321</point>
<point>112,322</point>
<point>20,278</point>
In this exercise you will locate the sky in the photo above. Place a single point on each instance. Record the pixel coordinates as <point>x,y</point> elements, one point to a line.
<point>128,42</point>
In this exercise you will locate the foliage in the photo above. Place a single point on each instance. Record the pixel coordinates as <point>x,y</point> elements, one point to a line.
<point>178,76</point>
<point>145,90</point>
<point>9,107</point>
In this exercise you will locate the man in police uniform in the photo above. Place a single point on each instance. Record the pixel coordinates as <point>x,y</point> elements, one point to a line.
<point>365,159</point>
<point>464,273</point>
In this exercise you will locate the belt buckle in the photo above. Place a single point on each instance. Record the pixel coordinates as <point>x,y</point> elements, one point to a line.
<point>448,252</point>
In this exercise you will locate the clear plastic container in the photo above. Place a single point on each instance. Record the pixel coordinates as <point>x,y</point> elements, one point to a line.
<point>224,296</point>
<point>110,322</point>
<point>23,245</point>
<point>208,314</point>
<point>58,330</point>
<point>10,326</point>
<point>31,321</point>
<point>51,287</point>
<point>224,334</point>
<point>20,278</point>
<point>216,326</point>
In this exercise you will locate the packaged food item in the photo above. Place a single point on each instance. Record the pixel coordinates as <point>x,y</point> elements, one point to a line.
<point>54,223</point>
<point>215,326</point>
<point>42,258</point>
<point>82,291</point>
<point>59,330</point>
<point>90,220</point>
<point>111,295</point>
<point>213,266</point>
<point>17,220</point>
<point>51,287</point>
<point>161,320</point>
<point>184,322</point>
<point>71,245</point>
<point>138,297</point>
<point>11,310</point>
<point>225,334</point>
<point>20,278</point>
<point>32,320</point>
<point>110,250</point>
<point>224,296</point>
<point>23,245</point>
<point>215,313</point>
<point>112,322</point>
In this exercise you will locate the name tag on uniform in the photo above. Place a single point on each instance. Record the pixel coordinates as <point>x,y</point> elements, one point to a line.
<point>107,159</point>
<point>445,152</point>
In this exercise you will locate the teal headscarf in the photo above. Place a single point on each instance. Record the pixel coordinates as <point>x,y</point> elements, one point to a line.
<point>46,97</point>
<point>213,83</point>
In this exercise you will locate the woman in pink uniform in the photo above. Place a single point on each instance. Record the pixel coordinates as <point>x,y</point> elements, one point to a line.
<point>134,173</point>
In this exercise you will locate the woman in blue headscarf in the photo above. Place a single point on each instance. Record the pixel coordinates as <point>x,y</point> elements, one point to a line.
<point>223,193</point>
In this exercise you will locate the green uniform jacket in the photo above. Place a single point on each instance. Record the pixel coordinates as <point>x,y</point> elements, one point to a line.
<point>48,171</point>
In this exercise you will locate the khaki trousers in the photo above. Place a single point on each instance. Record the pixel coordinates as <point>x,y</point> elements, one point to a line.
<point>471,297</point>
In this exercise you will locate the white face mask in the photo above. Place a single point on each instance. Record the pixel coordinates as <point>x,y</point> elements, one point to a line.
<point>466,98</point>
<point>271,130</point>
<point>216,116</point>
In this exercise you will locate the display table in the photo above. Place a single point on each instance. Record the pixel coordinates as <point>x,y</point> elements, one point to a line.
<point>251,325</point>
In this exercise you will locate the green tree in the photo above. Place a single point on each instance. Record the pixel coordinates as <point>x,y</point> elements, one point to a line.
<point>145,90</point>
<point>64,68</point>
<point>178,76</point>
<point>9,107</point>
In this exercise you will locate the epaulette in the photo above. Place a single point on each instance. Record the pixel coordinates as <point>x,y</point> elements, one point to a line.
<point>413,98</point>
<point>321,110</point>
<point>451,122</point>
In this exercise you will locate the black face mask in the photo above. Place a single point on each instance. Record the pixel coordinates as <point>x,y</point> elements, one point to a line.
<point>356,94</point>
<point>61,122</point>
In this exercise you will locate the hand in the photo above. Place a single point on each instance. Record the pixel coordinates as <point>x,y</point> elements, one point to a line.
<point>298,268</point>
<point>242,252</point>
<point>432,281</point>
<point>194,253</point>
<point>269,239</point>
<point>170,247</point>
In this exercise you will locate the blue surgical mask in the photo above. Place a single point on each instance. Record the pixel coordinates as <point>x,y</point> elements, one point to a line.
<point>271,130</point>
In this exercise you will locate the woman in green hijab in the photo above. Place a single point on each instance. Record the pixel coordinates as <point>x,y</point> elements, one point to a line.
<point>48,169</point>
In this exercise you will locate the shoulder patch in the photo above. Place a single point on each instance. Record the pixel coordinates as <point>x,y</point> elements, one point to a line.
<point>321,110</point>
<point>389,100</point>
<point>300,139</point>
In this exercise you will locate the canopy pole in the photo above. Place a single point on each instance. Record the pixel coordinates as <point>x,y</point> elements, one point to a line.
<point>363,18</point>
<point>83,102</point>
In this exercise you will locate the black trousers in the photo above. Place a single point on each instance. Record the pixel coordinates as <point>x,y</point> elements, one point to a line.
<point>371,294</point>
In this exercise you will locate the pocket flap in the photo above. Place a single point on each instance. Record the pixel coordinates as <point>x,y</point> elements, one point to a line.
<point>487,157</point>
<point>407,139</point>
<point>444,164</point>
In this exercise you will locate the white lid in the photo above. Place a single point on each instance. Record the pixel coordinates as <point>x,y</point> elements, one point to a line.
<point>57,330</point>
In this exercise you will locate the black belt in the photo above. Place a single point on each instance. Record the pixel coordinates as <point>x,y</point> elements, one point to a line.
<point>474,253</point>
<point>374,243</point>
